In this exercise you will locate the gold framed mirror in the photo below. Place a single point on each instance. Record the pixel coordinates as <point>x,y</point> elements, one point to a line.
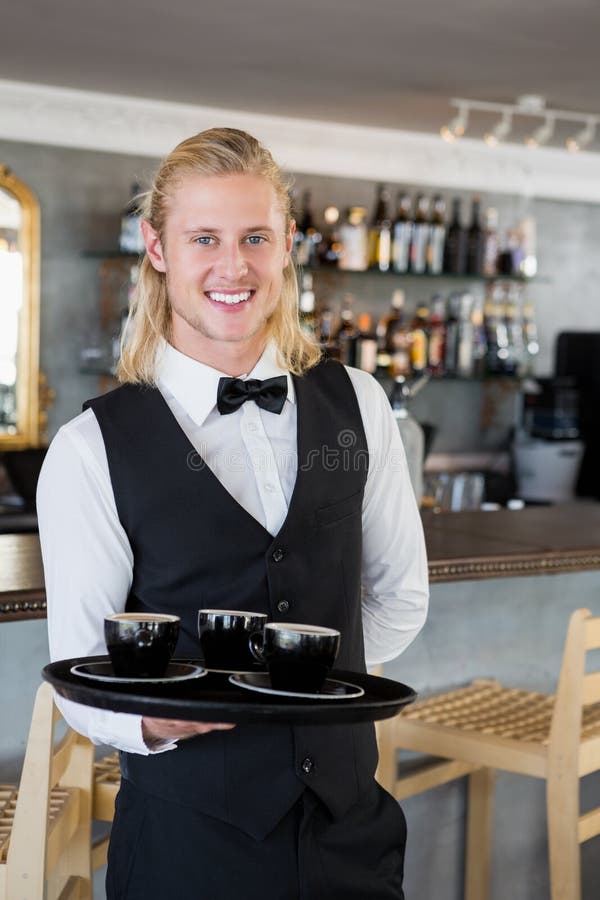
<point>19,314</point>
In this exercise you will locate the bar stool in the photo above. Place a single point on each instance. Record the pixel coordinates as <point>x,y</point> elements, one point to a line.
<point>485,726</point>
<point>45,823</point>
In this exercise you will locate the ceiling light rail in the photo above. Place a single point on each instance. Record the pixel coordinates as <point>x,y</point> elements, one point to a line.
<point>527,106</point>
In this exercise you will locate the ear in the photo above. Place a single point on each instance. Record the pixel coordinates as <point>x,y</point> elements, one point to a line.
<point>154,248</point>
<point>289,242</point>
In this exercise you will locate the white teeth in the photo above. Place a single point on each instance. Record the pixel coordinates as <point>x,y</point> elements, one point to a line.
<point>229,298</point>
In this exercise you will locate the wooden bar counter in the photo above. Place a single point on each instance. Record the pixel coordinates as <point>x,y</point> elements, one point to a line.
<point>465,546</point>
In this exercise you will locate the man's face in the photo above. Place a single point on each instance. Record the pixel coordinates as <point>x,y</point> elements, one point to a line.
<point>224,250</point>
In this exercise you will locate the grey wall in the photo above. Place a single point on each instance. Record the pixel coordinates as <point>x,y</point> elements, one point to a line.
<point>81,195</point>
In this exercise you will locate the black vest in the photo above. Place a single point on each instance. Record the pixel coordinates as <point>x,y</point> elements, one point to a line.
<point>194,546</point>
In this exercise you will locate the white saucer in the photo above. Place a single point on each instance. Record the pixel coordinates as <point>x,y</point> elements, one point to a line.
<point>103,671</point>
<point>331,690</point>
<point>235,671</point>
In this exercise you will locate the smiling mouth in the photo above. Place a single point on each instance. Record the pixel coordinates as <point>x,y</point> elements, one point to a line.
<point>230,299</point>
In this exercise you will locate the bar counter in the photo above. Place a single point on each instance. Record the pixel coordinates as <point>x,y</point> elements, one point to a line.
<point>464,546</point>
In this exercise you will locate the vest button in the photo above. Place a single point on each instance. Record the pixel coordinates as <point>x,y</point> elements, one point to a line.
<point>277,555</point>
<point>283,606</point>
<point>307,765</point>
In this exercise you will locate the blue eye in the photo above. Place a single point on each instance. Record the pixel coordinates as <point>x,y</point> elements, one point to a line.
<point>203,239</point>
<point>255,239</point>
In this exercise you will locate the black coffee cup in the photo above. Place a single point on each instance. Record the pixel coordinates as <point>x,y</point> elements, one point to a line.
<point>299,657</point>
<point>141,645</point>
<point>224,638</point>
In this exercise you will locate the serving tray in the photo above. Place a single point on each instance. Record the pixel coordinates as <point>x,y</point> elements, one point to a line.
<point>213,698</point>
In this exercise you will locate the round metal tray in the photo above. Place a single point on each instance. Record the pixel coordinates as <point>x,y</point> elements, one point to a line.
<point>212,698</point>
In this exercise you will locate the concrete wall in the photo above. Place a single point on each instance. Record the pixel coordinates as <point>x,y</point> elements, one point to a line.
<point>81,195</point>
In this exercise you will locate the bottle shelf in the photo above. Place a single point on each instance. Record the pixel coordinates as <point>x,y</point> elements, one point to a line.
<point>426,276</point>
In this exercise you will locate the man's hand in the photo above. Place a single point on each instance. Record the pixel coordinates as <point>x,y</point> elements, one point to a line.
<point>177,729</point>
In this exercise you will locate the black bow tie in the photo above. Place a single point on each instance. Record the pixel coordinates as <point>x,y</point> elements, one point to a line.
<point>269,394</point>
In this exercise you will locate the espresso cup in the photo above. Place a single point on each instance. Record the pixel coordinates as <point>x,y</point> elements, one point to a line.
<point>141,645</point>
<point>298,657</point>
<point>224,638</point>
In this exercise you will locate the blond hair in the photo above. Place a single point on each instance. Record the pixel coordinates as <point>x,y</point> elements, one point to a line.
<point>215,152</point>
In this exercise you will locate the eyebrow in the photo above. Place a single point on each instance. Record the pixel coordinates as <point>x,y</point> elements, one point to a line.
<point>211,230</point>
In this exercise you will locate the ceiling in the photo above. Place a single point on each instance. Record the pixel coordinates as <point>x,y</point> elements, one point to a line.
<point>382,63</point>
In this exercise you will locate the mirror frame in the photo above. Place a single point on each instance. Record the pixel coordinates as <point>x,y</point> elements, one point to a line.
<point>28,432</point>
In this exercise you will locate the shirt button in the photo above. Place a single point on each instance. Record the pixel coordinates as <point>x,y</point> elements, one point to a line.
<point>252,426</point>
<point>270,488</point>
<point>307,765</point>
<point>283,606</point>
<point>277,555</point>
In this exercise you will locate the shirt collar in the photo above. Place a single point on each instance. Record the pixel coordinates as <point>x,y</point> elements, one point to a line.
<point>194,384</point>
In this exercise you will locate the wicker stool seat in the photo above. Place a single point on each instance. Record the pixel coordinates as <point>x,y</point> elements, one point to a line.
<point>489,708</point>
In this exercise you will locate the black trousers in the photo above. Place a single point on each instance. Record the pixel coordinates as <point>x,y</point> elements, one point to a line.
<point>162,851</point>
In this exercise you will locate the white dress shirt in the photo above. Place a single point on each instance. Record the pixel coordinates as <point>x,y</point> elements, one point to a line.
<point>88,561</point>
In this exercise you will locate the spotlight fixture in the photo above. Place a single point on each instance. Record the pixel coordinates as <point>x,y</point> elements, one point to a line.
<point>457,127</point>
<point>527,106</point>
<point>500,131</point>
<point>584,137</point>
<point>542,134</point>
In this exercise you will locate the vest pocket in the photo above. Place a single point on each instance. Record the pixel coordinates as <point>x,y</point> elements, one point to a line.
<point>342,509</point>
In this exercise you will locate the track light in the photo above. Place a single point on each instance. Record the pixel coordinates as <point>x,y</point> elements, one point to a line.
<point>457,127</point>
<point>583,138</point>
<point>527,106</point>
<point>500,131</point>
<point>542,134</point>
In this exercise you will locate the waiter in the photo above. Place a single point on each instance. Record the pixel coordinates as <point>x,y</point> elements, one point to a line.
<point>234,467</point>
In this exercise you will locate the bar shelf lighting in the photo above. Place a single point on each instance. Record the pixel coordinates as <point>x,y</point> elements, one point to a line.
<point>527,106</point>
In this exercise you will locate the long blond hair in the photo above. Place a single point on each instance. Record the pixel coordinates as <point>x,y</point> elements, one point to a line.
<point>217,151</point>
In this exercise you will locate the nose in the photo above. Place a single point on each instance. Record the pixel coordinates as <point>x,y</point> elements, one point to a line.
<point>231,263</point>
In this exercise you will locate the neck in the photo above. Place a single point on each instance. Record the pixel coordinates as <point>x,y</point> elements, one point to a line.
<point>230,357</point>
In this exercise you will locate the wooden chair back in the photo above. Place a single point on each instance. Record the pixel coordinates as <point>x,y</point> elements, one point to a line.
<point>49,849</point>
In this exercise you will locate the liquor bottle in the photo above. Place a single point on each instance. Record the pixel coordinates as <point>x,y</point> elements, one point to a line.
<point>402,235</point>
<point>329,245</point>
<point>455,252</point>
<point>514,330</point>
<point>130,238</point>
<point>418,343</point>
<point>393,320</point>
<point>436,347</point>
<point>490,244</point>
<point>464,343</point>
<point>411,434</point>
<point>528,241</point>
<point>400,341</point>
<point>530,338</point>
<point>384,328</point>
<point>347,332</point>
<point>495,330</point>
<point>475,241</point>
<point>326,331</point>
<point>307,235</point>
<point>365,352</point>
<point>479,339</point>
<point>420,236</point>
<point>451,354</point>
<point>308,321</point>
<point>354,238</point>
<point>380,235</point>
<point>437,237</point>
